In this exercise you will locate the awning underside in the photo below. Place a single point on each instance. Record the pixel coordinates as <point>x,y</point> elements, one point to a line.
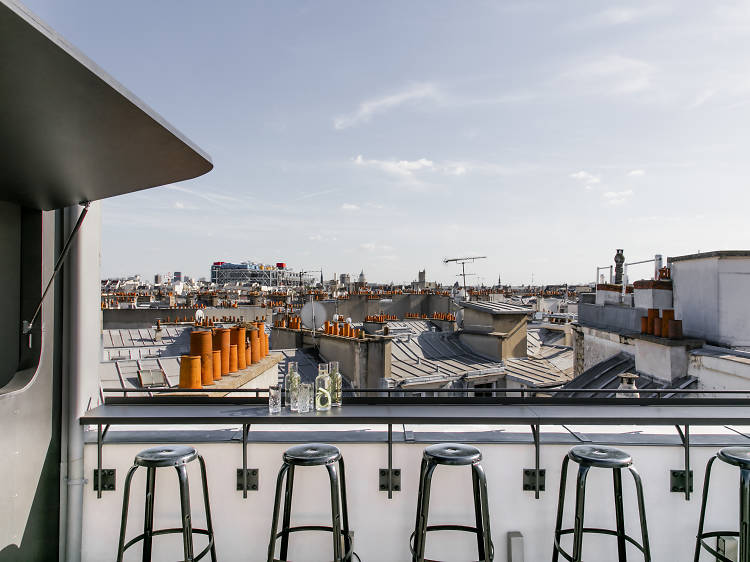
<point>71,133</point>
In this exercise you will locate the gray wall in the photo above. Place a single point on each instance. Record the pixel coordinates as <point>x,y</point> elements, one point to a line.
<point>612,317</point>
<point>115,318</point>
<point>357,307</point>
<point>30,412</point>
<point>10,289</point>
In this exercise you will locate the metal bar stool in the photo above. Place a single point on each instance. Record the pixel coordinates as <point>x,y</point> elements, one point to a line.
<point>312,454</point>
<point>596,456</point>
<point>452,454</point>
<point>176,456</point>
<point>740,457</point>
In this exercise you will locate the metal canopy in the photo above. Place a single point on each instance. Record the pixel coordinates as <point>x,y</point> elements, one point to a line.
<point>69,132</point>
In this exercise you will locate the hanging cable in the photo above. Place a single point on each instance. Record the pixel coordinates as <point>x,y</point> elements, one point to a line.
<point>29,325</point>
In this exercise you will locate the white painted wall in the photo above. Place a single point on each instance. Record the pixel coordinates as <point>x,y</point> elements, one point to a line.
<point>382,527</point>
<point>717,369</point>
<point>711,299</point>
<point>653,298</point>
<point>600,345</point>
<point>662,361</point>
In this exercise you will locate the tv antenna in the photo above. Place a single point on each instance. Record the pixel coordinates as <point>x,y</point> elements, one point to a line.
<point>463,262</point>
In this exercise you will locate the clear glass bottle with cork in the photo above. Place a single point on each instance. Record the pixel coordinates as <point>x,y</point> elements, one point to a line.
<point>323,389</point>
<point>291,386</point>
<point>336,383</point>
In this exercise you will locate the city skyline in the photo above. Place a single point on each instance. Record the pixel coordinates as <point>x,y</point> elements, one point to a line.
<point>543,136</point>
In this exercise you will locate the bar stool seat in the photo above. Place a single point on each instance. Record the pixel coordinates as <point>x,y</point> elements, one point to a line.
<point>455,454</point>
<point>169,455</point>
<point>312,454</point>
<point>175,456</point>
<point>599,456</point>
<point>739,457</point>
<point>452,454</point>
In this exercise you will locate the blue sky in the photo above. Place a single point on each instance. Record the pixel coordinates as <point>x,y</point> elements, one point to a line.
<point>386,136</point>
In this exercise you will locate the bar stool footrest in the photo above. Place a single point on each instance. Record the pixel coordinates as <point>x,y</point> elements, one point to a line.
<point>200,555</point>
<point>595,530</point>
<point>719,557</point>
<point>348,539</point>
<point>464,528</point>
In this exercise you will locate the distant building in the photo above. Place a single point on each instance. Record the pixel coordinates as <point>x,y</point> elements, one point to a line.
<point>158,280</point>
<point>248,273</point>
<point>177,276</point>
<point>361,281</point>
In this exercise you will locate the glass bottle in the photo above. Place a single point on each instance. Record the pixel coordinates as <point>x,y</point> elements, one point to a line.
<point>291,386</point>
<point>323,389</point>
<point>336,383</point>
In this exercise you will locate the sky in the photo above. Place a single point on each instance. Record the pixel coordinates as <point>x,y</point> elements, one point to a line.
<point>388,136</point>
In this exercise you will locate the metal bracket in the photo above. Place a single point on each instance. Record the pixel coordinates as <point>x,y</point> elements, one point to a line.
<point>677,480</point>
<point>242,473</point>
<point>98,472</point>
<point>104,480</point>
<point>536,474</point>
<point>248,481</point>
<point>534,480</point>
<point>395,480</point>
<point>389,472</point>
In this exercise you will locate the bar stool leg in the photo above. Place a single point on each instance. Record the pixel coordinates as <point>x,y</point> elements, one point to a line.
<point>619,516</point>
<point>125,505</point>
<point>148,519</point>
<point>286,521</point>
<point>424,510</point>
<point>486,551</point>
<point>744,515</point>
<point>344,508</point>
<point>417,533</point>
<point>187,527</point>
<point>580,503</point>
<point>704,501</point>
<point>560,509</point>
<point>276,509</point>
<point>209,523</point>
<point>641,513</point>
<point>478,512</point>
<point>335,511</point>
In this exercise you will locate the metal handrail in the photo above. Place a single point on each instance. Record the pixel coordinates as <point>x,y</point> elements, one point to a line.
<point>521,391</point>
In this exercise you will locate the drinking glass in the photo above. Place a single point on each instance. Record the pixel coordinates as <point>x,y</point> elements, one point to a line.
<point>274,399</point>
<point>305,397</point>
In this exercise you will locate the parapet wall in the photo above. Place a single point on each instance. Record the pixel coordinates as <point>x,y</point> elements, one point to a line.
<point>358,307</point>
<point>117,318</point>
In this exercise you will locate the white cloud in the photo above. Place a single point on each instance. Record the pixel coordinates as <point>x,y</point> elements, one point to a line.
<point>611,74</point>
<point>408,168</point>
<point>367,109</point>
<point>396,167</point>
<point>617,197</point>
<point>586,178</point>
<point>636,173</point>
<point>349,207</point>
<point>179,205</point>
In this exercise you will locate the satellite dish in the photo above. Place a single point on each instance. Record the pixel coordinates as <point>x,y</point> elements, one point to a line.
<point>199,315</point>
<point>313,310</point>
